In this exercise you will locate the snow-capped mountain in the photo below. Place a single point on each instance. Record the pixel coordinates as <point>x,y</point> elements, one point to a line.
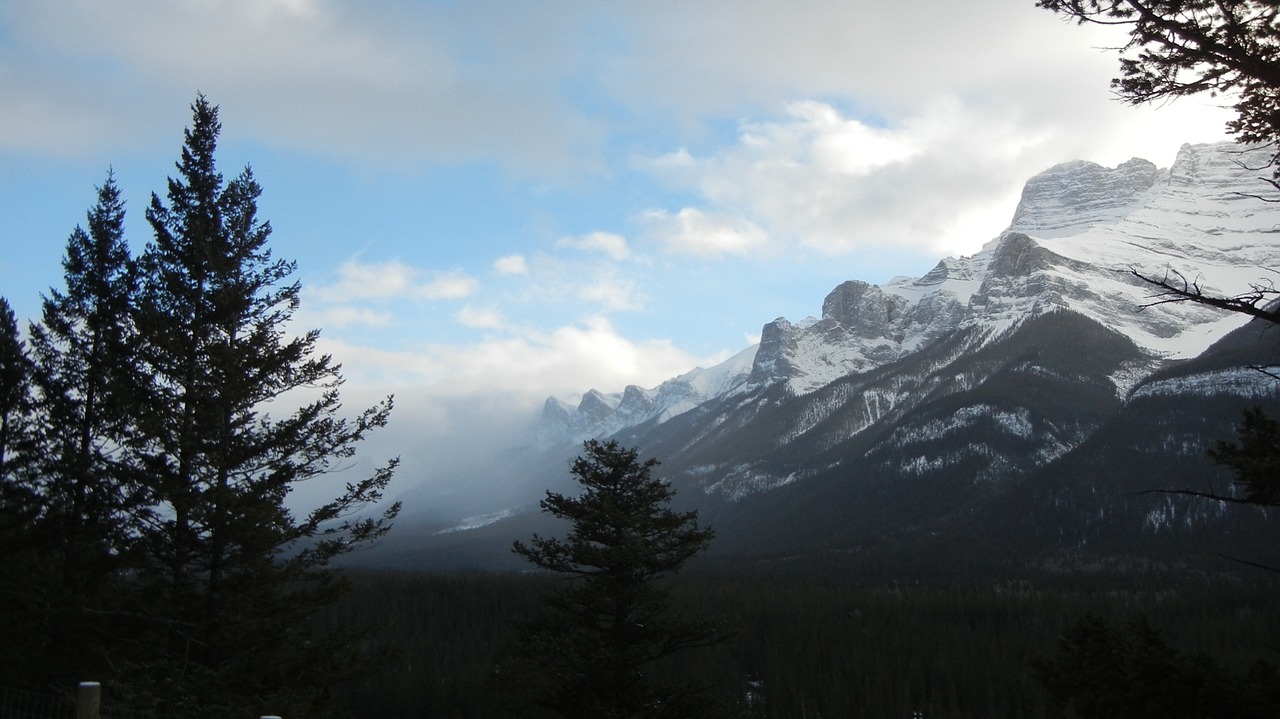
<point>1015,402</point>
<point>1078,230</point>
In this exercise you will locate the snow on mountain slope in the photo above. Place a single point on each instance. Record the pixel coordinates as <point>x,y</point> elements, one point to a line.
<point>1077,232</point>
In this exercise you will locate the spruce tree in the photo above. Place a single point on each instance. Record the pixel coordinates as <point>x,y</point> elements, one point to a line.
<point>81,376</point>
<point>1255,458</point>
<point>84,372</point>
<point>19,502</point>
<point>1103,671</point>
<point>15,404</point>
<point>229,574</point>
<point>588,653</point>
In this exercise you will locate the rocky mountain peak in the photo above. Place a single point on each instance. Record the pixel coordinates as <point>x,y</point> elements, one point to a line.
<point>949,268</point>
<point>774,353</point>
<point>1016,255</point>
<point>1078,193</point>
<point>863,309</point>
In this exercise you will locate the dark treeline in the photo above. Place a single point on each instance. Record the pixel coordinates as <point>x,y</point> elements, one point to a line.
<point>803,648</point>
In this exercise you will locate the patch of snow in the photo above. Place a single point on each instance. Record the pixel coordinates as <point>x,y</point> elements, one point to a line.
<point>478,521</point>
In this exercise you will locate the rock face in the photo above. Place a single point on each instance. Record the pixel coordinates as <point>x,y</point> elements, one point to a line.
<point>863,310</point>
<point>1079,194</point>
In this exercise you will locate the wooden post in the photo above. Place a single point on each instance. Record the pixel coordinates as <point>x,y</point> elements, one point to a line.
<point>89,700</point>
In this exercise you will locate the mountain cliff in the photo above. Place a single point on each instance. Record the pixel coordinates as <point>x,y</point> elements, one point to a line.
<point>1008,408</point>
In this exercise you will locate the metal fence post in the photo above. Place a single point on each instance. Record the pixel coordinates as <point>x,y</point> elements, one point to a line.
<point>89,700</point>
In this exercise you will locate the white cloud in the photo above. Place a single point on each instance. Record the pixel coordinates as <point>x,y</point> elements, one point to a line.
<point>612,245</point>
<point>511,265</point>
<point>480,317</point>
<point>944,180</point>
<point>695,232</point>
<point>406,83</point>
<point>393,280</point>
<point>457,403</point>
<point>612,292</point>
<point>451,285</point>
<point>529,364</point>
<point>390,85</point>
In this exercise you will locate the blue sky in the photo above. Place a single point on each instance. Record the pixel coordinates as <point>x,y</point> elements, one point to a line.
<point>496,201</point>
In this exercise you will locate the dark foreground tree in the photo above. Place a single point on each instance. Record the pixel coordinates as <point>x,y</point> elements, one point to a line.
<point>83,376</point>
<point>587,654</point>
<point>18,444</point>
<point>16,431</point>
<point>1254,458</point>
<point>1107,672</point>
<point>176,411</point>
<point>1187,47</point>
<point>19,503</point>
<point>229,574</point>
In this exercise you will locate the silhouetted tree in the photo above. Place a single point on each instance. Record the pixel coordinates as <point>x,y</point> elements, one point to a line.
<point>19,502</point>
<point>18,443</point>
<point>1255,458</point>
<point>586,655</point>
<point>85,372</point>
<point>1104,672</point>
<point>137,455</point>
<point>82,379</point>
<point>228,572</point>
<point>15,403</point>
<point>1187,47</point>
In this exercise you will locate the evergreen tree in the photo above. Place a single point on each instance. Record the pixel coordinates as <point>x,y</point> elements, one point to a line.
<point>15,407</point>
<point>19,503</point>
<point>1255,458</point>
<point>587,654</point>
<point>1103,672</point>
<point>81,376</point>
<point>227,572</point>
<point>85,374</point>
<point>1187,47</point>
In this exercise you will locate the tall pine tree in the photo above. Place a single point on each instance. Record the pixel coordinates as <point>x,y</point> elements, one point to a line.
<point>19,502</point>
<point>16,433</point>
<point>229,573</point>
<point>83,374</point>
<point>588,653</point>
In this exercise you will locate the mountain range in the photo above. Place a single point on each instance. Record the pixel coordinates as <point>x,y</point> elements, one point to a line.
<point>1020,409</point>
